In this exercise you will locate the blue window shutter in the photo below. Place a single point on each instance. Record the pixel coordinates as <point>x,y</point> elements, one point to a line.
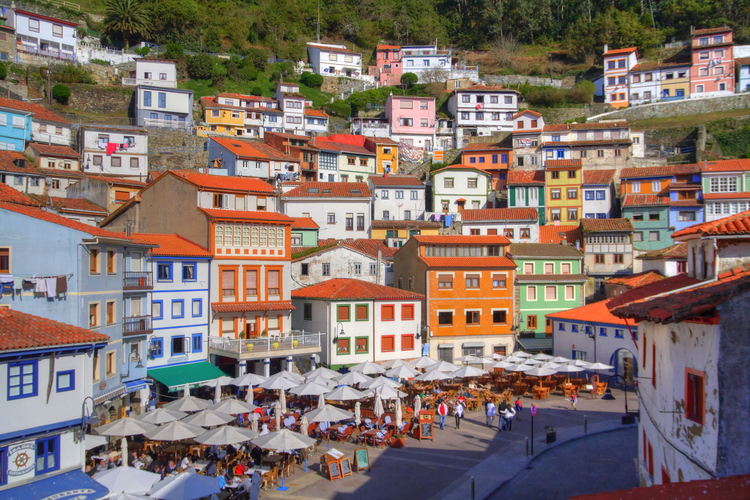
<point>162,100</point>
<point>503,158</point>
<point>147,98</point>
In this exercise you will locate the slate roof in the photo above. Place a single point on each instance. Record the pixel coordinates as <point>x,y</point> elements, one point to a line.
<point>634,280</point>
<point>525,177</point>
<point>395,181</point>
<point>523,250</point>
<point>677,251</point>
<point>351,289</point>
<point>605,225</point>
<point>223,183</point>
<point>21,331</point>
<point>304,223</point>
<point>329,190</point>
<point>734,225</point>
<point>39,112</point>
<point>172,245</point>
<point>598,177</point>
<point>499,214</point>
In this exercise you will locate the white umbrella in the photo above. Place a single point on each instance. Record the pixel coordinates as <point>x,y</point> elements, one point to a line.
<point>328,413</point>
<point>432,375</point>
<point>277,383</point>
<point>515,359</point>
<point>188,403</point>
<point>521,367</point>
<point>377,407</point>
<point>560,359</point>
<point>402,371</point>
<point>357,413</point>
<point>248,379</point>
<point>395,363</point>
<point>533,362</point>
<point>468,372</point>
<point>581,363</point>
<point>345,393</point>
<point>497,357</point>
<point>417,405</point>
<point>208,418</point>
<point>399,414</point>
<point>505,364</point>
<point>321,379</point>
<point>289,376</point>
<point>541,371</point>
<point>254,422</point>
<point>309,389</point>
<point>423,362</point>
<point>380,382</point>
<point>352,378</point>
<point>174,431</point>
<point>283,439</point>
<point>304,426</point>
<point>162,416</point>
<point>367,368</point>
<point>233,407</point>
<point>542,356</point>
<point>322,370</point>
<point>127,480</point>
<point>127,426</point>
<point>185,487</point>
<point>124,451</point>
<point>521,354</point>
<point>444,366</point>
<point>282,400</point>
<point>226,434</point>
<point>387,392</point>
<point>470,359</point>
<point>129,496</point>
<point>569,368</point>
<point>277,415</point>
<point>599,366</point>
<point>93,441</point>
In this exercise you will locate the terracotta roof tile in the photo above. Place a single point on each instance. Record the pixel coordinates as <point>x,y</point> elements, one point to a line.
<point>77,205</point>
<point>62,221</point>
<point>615,52</point>
<point>603,225</point>
<point>332,49</point>
<point>343,147</point>
<point>709,31</point>
<point>304,223</point>
<point>738,224</point>
<point>395,180</point>
<point>470,262</point>
<point>315,112</point>
<point>351,289</point>
<point>239,307</point>
<point>40,113</point>
<point>526,112</point>
<point>645,172</point>
<point>254,215</point>
<point>329,190</point>
<point>54,150</point>
<point>253,149</point>
<point>21,331</point>
<point>69,174</point>
<point>366,246</point>
<point>500,214</point>
<point>562,163</point>
<point>461,240</point>
<point>599,125</point>
<point>598,177</point>
<point>223,183</point>
<point>556,127</point>
<point>460,167</point>
<point>485,88</point>
<point>551,234</point>
<point>634,280</point>
<point>10,195</point>
<point>726,166</point>
<point>645,200</point>
<point>403,224</point>
<point>172,245</point>
<point>676,251</point>
<point>706,489</point>
<point>596,312</point>
<point>726,196</point>
<point>7,163</point>
<point>596,142</point>
<point>118,181</point>
<point>523,177</point>
<point>649,290</point>
<point>524,250</point>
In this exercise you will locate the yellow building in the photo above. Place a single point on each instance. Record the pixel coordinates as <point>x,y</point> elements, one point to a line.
<point>399,231</point>
<point>675,81</point>
<point>386,154</point>
<point>563,196</point>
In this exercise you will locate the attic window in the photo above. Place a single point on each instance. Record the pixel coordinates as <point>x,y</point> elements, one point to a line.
<point>312,190</point>
<point>326,190</point>
<point>236,145</point>
<point>354,191</point>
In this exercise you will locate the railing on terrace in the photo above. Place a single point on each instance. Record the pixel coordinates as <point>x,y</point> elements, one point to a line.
<point>284,341</point>
<point>137,280</point>
<point>47,53</point>
<point>137,325</point>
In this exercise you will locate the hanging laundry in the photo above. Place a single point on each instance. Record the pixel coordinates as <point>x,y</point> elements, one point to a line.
<point>6,283</point>
<point>29,284</point>
<point>448,220</point>
<point>51,284</point>
<point>102,143</point>
<point>41,285</point>
<point>111,148</point>
<point>125,146</point>
<point>62,285</point>
<point>6,278</point>
<point>18,283</point>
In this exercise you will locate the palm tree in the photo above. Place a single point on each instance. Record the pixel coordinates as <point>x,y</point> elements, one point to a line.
<point>128,18</point>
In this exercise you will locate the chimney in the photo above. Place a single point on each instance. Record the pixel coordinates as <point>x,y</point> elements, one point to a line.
<point>606,48</point>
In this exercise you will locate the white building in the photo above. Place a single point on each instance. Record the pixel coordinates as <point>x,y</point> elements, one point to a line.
<point>163,107</point>
<point>427,62</point>
<point>669,261</point>
<point>293,104</point>
<point>46,127</point>
<point>527,129</point>
<point>39,35</point>
<point>46,368</point>
<point>340,209</point>
<point>598,194</point>
<point>457,187</point>
<point>316,121</point>
<point>397,197</point>
<point>153,73</point>
<point>368,322</point>
<point>114,150</point>
<point>334,60</point>
<point>519,225</point>
<point>480,110</point>
<point>243,158</point>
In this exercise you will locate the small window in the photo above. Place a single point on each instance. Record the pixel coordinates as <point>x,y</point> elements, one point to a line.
<point>472,281</point>
<point>178,346</point>
<point>362,312</point>
<point>361,345</point>
<point>342,313</point>
<point>178,308</point>
<point>498,281</point>
<point>387,312</point>
<point>499,317</point>
<point>599,258</point>
<point>197,308</point>
<point>23,379</point>
<point>94,320</point>
<point>47,454</point>
<point>445,318</point>
<point>445,281</point>
<point>695,398</point>
<point>94,261</point>
<point>472,317</point>
<point>197,342</point>
<point>164,271</point>
<point>189,271</point>
<point>388,343</point>
<point>407,342</point>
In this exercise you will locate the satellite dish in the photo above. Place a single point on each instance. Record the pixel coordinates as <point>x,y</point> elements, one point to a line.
<point>316,358</point>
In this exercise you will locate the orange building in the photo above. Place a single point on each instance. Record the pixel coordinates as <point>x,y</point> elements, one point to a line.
<point>468,282</point>
<point>492,158</point>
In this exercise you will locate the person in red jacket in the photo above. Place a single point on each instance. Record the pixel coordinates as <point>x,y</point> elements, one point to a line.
<point>443,412</point>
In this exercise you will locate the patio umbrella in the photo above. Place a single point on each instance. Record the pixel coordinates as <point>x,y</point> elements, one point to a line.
<point>357,413</point>
<point>399,414</point>
<point>276,383</point>
<point>282,400</point>
<point>309,389</point>
<point>289,376</point>
<point>174,431</point>
<point>468,372</point>
<point>599,366</point>
<point>387,392</point>
<point>367,368</point>
<point>208,418</point>
<point>423,362</point>
<point>432,375</point>
<point>129,496</point>
<point>352,378</point>
<point>93,441</point>
<point>127,426</point>
<point>328,413</point>
<point>248,379</point>
<point>581,363</point>
<point>470,359</point>
<point>226,434</point>
<point>345,393</point>
<point>402,372</point>
<point>304,426</point>
<point>277,415</point>
<point>444,366</point>
<point>185,487</point>
<point>505,364</point>
<point>233,407</point>
<point>417,404</point>
<point>162,416</point>
<point>377,407</point>
<point>283,439</point>
<point>254,422</point>
<point>559,359</point>
<point>188,403</point>
<point>541,371</point>
<point>127,480</point>
<point>321,379</point>
<point>395,363</point>
<point>380,382</point>
<point>568,369</point>
<point>497,357</point>
<point>542,356</point>
<point>217,384</point>
<point>515,359</point>
<point>322,370</point>
<point>521,354</point>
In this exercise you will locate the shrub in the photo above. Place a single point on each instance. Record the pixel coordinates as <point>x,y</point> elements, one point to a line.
<point>70,73</point>
<point>3,71</point>
<point>311,80</point>
<point>100,62</point>
<point>200,67</point>
<point>174,51</point>
<point>409,79</point>
<point>256,91</point>
<point>61,93</point>
<point>256,57</point>
<point>582,93</point>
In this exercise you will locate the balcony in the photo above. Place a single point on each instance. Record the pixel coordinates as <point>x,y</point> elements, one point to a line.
<point>137,280</point>
<point>294,343</point>
<point>137,325</point>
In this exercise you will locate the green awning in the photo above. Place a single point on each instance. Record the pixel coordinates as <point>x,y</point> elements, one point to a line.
<point>193,374</point>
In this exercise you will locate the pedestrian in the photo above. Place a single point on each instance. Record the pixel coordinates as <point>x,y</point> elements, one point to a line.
<point>573,400</point>
<point>519,407</point>
<point>502,424</point>
<point>511,414</point>
<point>490,413</point>
<point>442,411</point>
<point>458,412</point>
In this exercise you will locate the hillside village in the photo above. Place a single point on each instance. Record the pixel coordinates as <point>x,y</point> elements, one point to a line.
<point>457,226</point>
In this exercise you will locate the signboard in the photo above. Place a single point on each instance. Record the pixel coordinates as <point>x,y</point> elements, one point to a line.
<point>346,468</point>
<point>361,459</point>
<point>425,419</point>
<point>533,410</point>
<point>525,143</point>
<point>334,470</point>
<point>21,459</point>
<point>437,155</point>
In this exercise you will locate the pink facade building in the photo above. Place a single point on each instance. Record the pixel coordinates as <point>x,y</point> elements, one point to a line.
<point>412,120</point>
<point>388,67</point>
<point>712,72</point>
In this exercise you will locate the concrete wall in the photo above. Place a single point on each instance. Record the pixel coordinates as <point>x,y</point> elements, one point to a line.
<point>677,108</point>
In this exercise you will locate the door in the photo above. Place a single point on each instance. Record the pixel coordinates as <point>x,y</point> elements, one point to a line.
<point>460,206</point>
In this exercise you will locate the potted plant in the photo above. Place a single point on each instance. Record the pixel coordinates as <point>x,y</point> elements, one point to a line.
<point>398,440</point>
<point>295,343</point>
<point>551,433</point>
<point>275,345</point>
<point>249,346</point>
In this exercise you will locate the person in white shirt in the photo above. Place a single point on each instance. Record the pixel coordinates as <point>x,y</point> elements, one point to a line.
<point>490,413</point>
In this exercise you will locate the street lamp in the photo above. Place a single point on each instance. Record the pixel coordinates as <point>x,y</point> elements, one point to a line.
<point>592,335</point>
<point>338,332</point>
<point>87,419</point>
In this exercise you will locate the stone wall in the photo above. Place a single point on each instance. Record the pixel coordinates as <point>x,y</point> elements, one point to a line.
<point>508,80</point>
<point>99,99</point>
<point>678,108</point>
<point>175,149</point>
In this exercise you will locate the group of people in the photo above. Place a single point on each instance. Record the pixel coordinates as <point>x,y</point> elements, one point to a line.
<point>505,413</point>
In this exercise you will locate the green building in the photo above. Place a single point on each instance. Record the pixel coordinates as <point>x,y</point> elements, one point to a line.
<point>549,279</point>
<point>649,214</point>
<point>304,232</point>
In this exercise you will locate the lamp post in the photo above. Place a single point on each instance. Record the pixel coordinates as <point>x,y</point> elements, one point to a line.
<point>592,335</point>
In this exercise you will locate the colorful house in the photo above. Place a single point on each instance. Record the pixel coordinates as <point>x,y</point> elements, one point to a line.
<point>669,261</point>
<point>608,250</point>
<point>386,154</point>
<point>649,214</point>
<point>40,35</point>
<point>299,147</point>
<point>304,232</point>
<point>712,71</point>
<point>236,157</point>
<point>617,65</point>
<point>526,189</point>
<point>527,129</point>
<point>387,68</point>
<point>599,194</point>
<point>334,60</point>
<point>397,198</point>
<point>353,160</point>
<point>457,187</point>
<point>563,181</point>
<point>726,187</point>
<point>481,110</point>
<point>519,225</point>
<point>494,159</point>
<point>412,120</point>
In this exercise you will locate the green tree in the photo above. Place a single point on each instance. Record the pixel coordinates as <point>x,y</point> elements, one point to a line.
<point>61,93</point>
<point>127,18</point>
<point>200,67</point>
<point>174,51</point>
<point>311,80</point>
<point>408,80</point>
<point>3,71</point>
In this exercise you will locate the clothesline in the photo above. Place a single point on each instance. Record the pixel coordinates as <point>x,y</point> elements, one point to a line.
<point>52,286</point>
<point>37,276</point>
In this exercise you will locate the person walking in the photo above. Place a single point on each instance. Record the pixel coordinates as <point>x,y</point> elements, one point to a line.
<point>490,413</point>
<point>511,413</point>
<point>518,408</point>
<point>442,411</point>
<point>458,412</point>
<point>502,424</point>
<point>573,400</point>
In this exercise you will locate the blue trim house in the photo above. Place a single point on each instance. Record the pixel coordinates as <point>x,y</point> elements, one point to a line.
<point>15,128</point>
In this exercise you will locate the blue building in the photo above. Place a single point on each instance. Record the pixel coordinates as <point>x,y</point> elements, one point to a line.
<point>15,128</point>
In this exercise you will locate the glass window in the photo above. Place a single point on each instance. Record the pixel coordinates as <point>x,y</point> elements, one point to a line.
<point>361,345</point>
<point>387,312</point>
<point>47,455</point>
<point>164,271</point>
<point>188,271</point>
<point>445,318</point>
<point>22,379</point>
<point>178,308</point>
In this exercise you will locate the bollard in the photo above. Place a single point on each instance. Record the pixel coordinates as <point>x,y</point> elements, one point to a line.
<point>472,487</point>
<point>305,468</point>
<point>585,424</point>
<point>282,487</point>
<point>527,446</point>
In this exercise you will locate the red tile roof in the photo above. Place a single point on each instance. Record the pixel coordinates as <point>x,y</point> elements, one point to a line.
<point>709,31</point>
<point>69,174</point>
<point>598,176</point>
<point>596,312</point>
<point>40,113</point>
<point>395,180</point>
<point>644,172</point>
<point>54,150</point>
<point>10,195</point>
<point>562,163</point>
<point>649,290</point>
<point>526,112</point>
<point>738,224</point>
<point>56,20</point>
<point>62,221</point>
<point>615,52</point>
<point>239,307</point>
<point>634,280</point>
<point>556,127</point>
<point>343,147</point>
<point>726,196</point>
<point>460,167</point>
<point>329,190</point>
<point>479,146</point>
<point>500,214</point>
<point>551,234</point>
<point>117,181</point>
<point>521,177</point>
<point>403,224</point>
<point>332,49</point>
<point>470,262</point>
<point>304,223</point>
<point>21,331</point>
<point>7,159</point>
<point>485,88</point>
<point>315,112</point>
<point>366,246</point>
<point>645,200</point>
<point>253,215</point>
<point>726,166</point>
<point>253,149</point>
<point>599,125</point>
<point>699,302</point>
<point>77,205</point>
<point>351,289</point>
<point>705,489</point>
<point>676,251</point>
<point>172,245</point>
<point>601,225</point>
<point>461,240</point>
<point>222,182</point>
<point>388,47</point>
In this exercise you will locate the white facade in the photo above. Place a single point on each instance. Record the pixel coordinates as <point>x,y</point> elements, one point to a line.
<point>613,343</point>
<point>340,262</point>
<point>45,36</point>
<point>164,107</point>
<point>124,161</point>
<point>153,73</point>
<point>483,110</point>
<point>398,202</point>
<point>645,86</point>
<point>292,103</point>
<point>427,62</point>
<point>315,122</point>
<point>452,185</point>
<point>50,132</point>
<point>597,201</point>
<point>334,60</point>
<point>332,215</point>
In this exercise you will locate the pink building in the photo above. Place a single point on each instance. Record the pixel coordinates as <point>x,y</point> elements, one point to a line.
<point>712,72</point>
<point>389,67</point>
<point>617,65</point>
<point>412,120</point>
